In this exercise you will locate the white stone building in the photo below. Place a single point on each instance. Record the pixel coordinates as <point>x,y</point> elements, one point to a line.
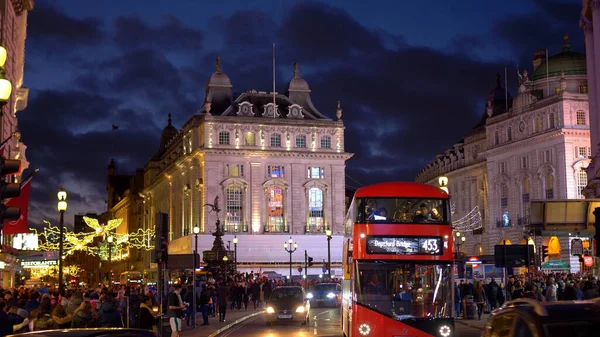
<point>535,146</point>
<point>277,174</point>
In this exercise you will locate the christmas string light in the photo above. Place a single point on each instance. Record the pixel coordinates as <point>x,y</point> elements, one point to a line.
<point>471,221</point>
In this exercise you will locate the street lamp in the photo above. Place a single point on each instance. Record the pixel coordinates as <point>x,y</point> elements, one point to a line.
<point>196,230</point>
<point>235,242</point>
<point>110,242</point>
<point>62,207</point>
<point>460,240</point>
<point>290,246</point>
<point>328,233</point>
<point>5,85</point>
<point>443,181</point>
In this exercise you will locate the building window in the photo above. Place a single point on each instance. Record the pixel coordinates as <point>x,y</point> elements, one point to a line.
<point>523,162</point>
<point>583,152</point>
<point>504,198</point>
<point>223,138</point>
<point>502,167</point>
<point>583,89</point>
<point>301,141</point>
<point>509,134</point>
<point>326,142</point>
<point>581,117</point>
<point>276,140</point>
<point>551,121</point>
<point>250,141</point>
<point>315,210</point>
<point>525,198</point>
<point>537,125</point>
<point>547,156</point>
<point>275,210</point>
<point>234,208</point>
<point>549,186</point>
<point>582,181</point>
<point>275,171</point>
<point>316,173</point>
<point>496,138</point>
<point>234,170</point>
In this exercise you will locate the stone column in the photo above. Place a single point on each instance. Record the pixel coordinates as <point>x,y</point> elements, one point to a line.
<point>594,114</point>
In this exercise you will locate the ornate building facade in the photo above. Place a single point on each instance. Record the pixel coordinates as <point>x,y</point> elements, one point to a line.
<point>13,32</point>
<point>533,147</point>
<point>275,163</point>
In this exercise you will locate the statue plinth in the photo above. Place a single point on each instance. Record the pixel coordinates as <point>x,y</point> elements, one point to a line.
<point>214,257</point>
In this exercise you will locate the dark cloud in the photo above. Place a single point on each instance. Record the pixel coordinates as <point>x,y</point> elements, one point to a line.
<point>47,24</point>
<point>132,32</point>
<point>565,13</point>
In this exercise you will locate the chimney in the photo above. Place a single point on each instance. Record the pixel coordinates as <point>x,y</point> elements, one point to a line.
<point>538,57</point>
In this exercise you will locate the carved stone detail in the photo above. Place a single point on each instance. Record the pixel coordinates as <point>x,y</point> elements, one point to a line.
<point>295,112</point>
<point>245,109</point>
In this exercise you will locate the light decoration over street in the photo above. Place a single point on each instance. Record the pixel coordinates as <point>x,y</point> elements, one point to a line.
<point>38,273</point>
<point>49,239</point>
<point>471,221</point>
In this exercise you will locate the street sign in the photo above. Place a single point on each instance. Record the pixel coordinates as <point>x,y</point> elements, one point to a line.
<point>183,261</point>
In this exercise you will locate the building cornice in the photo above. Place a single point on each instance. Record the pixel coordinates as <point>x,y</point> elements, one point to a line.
<point>270,153</point>
<point>523,142</point>
<point>273,121</point>
<point>431,176</point>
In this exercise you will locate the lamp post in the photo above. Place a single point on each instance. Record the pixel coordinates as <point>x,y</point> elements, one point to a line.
<point>443,181</point>
<point>196,232</point>
<point>5,85</point>
<point>62,207</point>
<point>328,233</point>
<point>460,240</point>
<point>235,242</point>
<point>290,246</point>
<point>110,242</point>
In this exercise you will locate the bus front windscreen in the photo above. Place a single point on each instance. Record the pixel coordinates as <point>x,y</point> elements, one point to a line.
<point>403,210</point>
<point>404,290</point>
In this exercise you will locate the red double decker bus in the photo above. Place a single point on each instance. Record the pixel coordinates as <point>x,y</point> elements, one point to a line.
<point>398,262</point>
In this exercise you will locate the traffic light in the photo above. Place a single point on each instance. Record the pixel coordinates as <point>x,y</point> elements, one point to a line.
<point>8,167</point>
<point>544,253</point>
<point>310,261</point>
<point>161,243</point>
<point>597,225</point>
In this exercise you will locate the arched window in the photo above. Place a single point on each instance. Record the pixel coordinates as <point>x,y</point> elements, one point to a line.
<point>509,134</point>
<point>315,210</point>
<point>582,181</point>
<point>549,180</point>
<point>234,208</point>
<point>276,140</point>
<point>275,214</point>
<point>537,125</point>
<point>551,122</point>
<point>525,195</point>
<point>223,138</point>
<point>496,138</point>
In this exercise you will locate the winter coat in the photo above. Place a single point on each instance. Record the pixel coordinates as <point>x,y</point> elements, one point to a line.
<point>43,323</point>
<point>63,322</point>
<point>82,319</point>
<point>108,316</point>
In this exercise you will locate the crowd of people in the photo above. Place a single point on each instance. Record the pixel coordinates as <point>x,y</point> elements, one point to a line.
<point>40,308</point>
<point>543,287</point>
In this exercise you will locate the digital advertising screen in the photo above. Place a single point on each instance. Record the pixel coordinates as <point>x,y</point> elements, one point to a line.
<point>404,245</point>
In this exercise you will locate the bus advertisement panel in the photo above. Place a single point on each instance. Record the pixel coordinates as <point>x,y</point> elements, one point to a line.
<point>398,262</point>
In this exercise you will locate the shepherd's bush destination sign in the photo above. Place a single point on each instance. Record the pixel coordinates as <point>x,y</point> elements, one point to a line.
<point>404,245</point>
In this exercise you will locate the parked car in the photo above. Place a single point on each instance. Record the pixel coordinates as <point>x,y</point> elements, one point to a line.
<point>99,332</point>
<point>288,304</point>
<point>530,318</point>
<point>326,294</point>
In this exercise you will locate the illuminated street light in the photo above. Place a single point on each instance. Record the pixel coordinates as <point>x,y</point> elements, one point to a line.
<point>62,207</point>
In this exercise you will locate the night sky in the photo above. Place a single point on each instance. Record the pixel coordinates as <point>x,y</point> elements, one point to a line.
<point>412,76</point>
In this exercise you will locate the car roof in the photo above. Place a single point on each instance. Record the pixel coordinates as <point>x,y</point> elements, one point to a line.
<point>326,284</point>
<point>289,287</point>
<point>560,311</point>
<point>89,332</point>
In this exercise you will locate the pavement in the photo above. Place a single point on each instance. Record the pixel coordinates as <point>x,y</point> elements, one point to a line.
<point>214,327</point>
<point>474,323</point>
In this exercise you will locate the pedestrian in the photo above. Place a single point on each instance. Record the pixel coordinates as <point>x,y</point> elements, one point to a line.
<point>479,298</point>
<point>175,311</point>
<point>222,296</point>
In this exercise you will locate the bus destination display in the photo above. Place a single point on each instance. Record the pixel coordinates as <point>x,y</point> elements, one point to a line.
<point>407,245</point>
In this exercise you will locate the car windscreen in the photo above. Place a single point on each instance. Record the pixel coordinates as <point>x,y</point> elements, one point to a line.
<point>586,328</point>
<point>325,287</point>
<point>286,294</point>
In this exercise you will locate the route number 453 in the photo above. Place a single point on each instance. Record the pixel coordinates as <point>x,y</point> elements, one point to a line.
<point>431,246</point>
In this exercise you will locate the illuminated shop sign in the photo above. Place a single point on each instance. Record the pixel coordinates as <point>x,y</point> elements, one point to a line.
<point>39,264</point>
<point>404,245</point>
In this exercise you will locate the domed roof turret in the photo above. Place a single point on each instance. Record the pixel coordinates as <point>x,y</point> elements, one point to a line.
<point>219,79</point>
<point>572,63</point>
<point>297,83</point>
<point>168,133</point>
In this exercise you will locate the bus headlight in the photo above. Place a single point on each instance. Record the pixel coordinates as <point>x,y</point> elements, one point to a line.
<point>300,310</point>
<point>270,310</point>
<point>330,295</point>
<point>364,329</point>
<point>445,331</point>
<point>309,296</point>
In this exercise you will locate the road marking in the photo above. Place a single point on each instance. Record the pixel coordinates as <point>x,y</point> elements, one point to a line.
<point>315,332</point>
<point>230,325</point>
<point>239,326</point>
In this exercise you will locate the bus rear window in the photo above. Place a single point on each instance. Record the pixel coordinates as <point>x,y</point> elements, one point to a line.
<point>403,210</point>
